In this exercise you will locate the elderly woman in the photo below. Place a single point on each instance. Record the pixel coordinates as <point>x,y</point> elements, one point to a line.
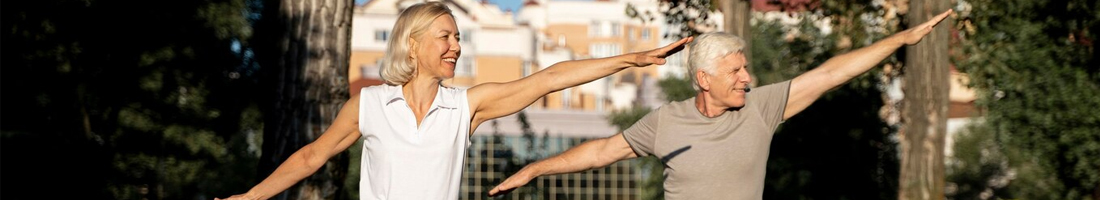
<point>415,131</point>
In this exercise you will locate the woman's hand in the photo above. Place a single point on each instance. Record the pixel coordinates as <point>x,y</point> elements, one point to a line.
<point>657,56</point>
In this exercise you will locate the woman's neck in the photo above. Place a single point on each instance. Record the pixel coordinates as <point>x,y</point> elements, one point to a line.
<point>419,93</point>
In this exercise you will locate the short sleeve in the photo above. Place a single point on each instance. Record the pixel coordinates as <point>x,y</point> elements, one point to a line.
<point>642,136</point>
<point>771,101</point>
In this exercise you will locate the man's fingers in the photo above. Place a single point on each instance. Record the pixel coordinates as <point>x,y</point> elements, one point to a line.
<point>498,191</point>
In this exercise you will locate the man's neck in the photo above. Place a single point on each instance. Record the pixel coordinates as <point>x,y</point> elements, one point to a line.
<point>707,106</point>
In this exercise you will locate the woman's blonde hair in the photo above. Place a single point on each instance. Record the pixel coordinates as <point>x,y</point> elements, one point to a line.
<point>397,67</point>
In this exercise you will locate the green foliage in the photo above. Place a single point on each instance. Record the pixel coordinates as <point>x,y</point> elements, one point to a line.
<point>625,118</point>
<point>686,16</point>
<point>677,88</point>
<point>1034,63</point>
<point>126,100</point>
<point>979,166</point>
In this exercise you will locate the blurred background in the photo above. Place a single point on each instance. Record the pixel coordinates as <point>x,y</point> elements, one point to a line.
<point>117,99</point>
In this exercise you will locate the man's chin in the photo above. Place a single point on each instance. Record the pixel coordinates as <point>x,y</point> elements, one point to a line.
<point>737,105</point>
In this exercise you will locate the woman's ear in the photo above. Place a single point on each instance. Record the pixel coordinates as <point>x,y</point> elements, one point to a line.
<point>703,80</point>
<point>412,47</point>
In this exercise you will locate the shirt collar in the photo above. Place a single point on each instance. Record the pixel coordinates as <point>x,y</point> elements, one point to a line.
<point>439,101</point>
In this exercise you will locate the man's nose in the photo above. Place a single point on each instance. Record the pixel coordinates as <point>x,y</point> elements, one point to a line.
<point>745,76</point>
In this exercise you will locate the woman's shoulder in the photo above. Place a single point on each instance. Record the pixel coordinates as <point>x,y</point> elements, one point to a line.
<point>377,91</point>
<point>450,89</point>
<point>453,94</point>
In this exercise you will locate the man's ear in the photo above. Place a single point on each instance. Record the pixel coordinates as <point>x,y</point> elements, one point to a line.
<point>703,80</point>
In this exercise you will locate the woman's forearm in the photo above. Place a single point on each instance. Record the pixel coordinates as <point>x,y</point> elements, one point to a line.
<point>297,167</point>
<point>575,72</point>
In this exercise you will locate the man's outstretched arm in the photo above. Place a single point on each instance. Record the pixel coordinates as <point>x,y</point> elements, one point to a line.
<point>589,155</point>
<point>806,88</point>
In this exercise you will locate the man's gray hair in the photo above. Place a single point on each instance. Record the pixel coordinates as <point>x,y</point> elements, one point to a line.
<point>707,49</point>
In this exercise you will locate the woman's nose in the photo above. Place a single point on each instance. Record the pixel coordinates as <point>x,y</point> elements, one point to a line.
<point>455,46</point>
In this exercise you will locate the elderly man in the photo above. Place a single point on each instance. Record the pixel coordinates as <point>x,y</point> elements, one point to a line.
<point>715,145</point>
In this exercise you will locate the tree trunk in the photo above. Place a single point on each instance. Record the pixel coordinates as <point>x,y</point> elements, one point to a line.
<point>924,109</point>
<point>303,48</point>
<point>736,14</point>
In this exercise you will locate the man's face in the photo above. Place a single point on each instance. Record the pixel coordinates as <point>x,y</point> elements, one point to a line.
<point>728,84</point>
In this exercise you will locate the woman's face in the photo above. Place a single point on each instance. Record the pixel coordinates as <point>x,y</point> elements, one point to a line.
<point>436,50</point>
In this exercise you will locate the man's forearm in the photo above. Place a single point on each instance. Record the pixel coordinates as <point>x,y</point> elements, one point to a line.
<point>583,157</point>
<point>836,71</point>
<point>849,65</point>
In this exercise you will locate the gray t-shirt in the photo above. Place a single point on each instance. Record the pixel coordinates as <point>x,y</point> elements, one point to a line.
<point>712,158</point>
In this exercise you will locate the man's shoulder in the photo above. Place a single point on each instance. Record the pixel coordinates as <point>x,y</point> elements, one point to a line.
<point>677,106</point>
<point>782,85</point>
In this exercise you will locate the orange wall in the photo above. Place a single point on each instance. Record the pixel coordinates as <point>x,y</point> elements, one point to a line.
<point>490,69</point>
<point>498,69</point>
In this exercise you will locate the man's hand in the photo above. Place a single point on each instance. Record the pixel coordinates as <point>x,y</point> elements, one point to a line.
<point>245,196</point>
<point>915,34</point>
<point>589,155</point>
<point>516,180</point>
<point>657,56</point>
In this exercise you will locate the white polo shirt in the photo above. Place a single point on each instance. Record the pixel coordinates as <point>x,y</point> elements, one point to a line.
<point>403,161</point>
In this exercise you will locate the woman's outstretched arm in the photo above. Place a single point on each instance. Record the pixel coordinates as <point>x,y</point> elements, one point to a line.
<point>493,100</point>
<point>343,132</point>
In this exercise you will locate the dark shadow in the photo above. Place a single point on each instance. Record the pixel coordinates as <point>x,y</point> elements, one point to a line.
<point>675,153</point>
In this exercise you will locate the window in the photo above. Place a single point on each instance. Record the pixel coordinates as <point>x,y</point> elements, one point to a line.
<point>616,29</point>
<point>527,71</point>
<point>604,29</point>
<point>381,35</point>
<point>466,37</point>
<point>594,29</point>
<point>645,33</point>
<point>630,34</point>
<point>566,95</point>
<point>465,66</point>
<point>601,50</point>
